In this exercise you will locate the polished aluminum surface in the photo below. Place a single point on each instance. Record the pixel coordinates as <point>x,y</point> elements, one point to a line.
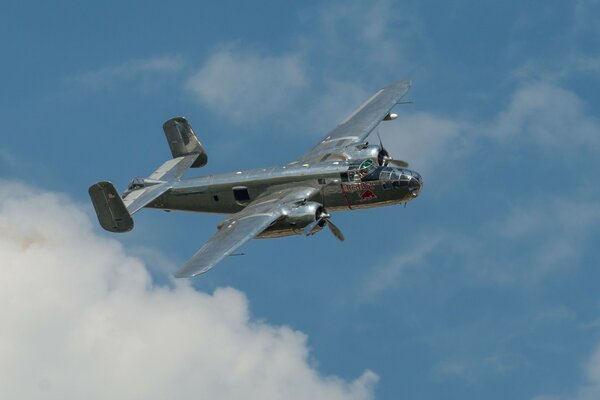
<point>342,172</point>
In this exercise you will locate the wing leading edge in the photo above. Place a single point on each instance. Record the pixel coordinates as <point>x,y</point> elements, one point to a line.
<point>242,227</point>
<point>360,123</point>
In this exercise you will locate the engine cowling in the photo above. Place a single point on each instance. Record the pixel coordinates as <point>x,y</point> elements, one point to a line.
<point>294,220</point>
<point>374,152</point>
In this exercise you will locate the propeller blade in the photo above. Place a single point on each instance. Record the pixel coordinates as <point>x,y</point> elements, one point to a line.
<point>387,159</point>
<point>312,228</point>
<point>335,230</point>
<point>397,163</point>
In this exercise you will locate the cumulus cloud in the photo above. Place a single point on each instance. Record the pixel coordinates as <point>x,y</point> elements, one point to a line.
<point>244,84</point>
<point>83,319</point>
<point>425,140</point>
<point>547,115</point>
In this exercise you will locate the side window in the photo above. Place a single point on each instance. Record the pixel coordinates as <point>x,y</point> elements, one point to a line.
<point>353,176</point>
<point>241,195</point>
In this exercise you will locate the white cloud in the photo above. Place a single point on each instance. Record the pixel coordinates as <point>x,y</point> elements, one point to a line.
<point>365,34</point>
<point>142,71</point>
<point>82,319</point>
<point>547,115</point>
<point>244,85</point>
<point>589,388</point>
<point>425,140</point>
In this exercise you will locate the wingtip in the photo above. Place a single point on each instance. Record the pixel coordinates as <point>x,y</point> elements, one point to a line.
<point>188,271</point>
<point>400,83</point>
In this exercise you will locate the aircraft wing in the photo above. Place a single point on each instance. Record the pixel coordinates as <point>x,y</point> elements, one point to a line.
<point>360,123</point>
<point>243,226</point>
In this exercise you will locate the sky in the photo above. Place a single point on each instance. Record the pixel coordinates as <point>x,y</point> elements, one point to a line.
<point>486,286</point>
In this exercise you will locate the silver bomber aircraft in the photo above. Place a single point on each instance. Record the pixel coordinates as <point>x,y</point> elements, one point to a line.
<point>342,172</point>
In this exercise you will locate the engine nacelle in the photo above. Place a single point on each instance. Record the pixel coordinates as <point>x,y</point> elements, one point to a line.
<point>360,152</point>
<point>294,221</point>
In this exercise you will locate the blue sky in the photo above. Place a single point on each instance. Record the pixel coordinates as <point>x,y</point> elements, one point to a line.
<point>484,287</point>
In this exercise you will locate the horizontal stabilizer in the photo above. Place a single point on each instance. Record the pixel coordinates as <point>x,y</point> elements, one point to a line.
<point>109,206</point>
<point>174,168</point>
<point>137,199</point>
<point>183,141</point>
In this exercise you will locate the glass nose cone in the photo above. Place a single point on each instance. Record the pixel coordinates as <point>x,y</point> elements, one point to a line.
<point>414,185</point>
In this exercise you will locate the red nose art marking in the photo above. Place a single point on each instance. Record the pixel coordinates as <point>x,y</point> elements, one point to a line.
<point>367,195</point>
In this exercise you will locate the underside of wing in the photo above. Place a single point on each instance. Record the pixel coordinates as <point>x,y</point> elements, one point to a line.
<point>360,123</point>
<point>242,227</point>
<point>224,242</point>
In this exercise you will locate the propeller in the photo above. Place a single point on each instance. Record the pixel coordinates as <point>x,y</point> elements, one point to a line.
<point>323,219</point>
<point>385,159</point>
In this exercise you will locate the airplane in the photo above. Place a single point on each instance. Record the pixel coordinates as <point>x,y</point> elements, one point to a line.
<point>342,172</point>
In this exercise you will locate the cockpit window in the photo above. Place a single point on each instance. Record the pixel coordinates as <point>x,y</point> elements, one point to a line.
<point>385,174</point>
<point>365,171</point>
<point>366,165</point>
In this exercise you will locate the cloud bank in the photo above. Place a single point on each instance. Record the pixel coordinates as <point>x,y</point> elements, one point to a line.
<point>83,319</point>
<point>245,85</point>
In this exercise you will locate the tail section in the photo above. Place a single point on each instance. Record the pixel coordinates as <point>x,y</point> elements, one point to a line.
<point>183,141</point>
<point>114,212</point>
<point>109,206</point>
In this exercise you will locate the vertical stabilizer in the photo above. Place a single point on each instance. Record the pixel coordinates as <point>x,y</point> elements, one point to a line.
<point>183,141</point>
<point>109,206</point>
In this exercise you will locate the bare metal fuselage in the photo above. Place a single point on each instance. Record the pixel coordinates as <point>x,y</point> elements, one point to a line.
<point>342,186</point>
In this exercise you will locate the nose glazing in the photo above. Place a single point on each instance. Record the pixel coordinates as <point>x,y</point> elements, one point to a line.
<point>415,184</point>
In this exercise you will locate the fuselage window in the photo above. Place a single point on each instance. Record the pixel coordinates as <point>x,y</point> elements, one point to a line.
<point>241,194</point>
